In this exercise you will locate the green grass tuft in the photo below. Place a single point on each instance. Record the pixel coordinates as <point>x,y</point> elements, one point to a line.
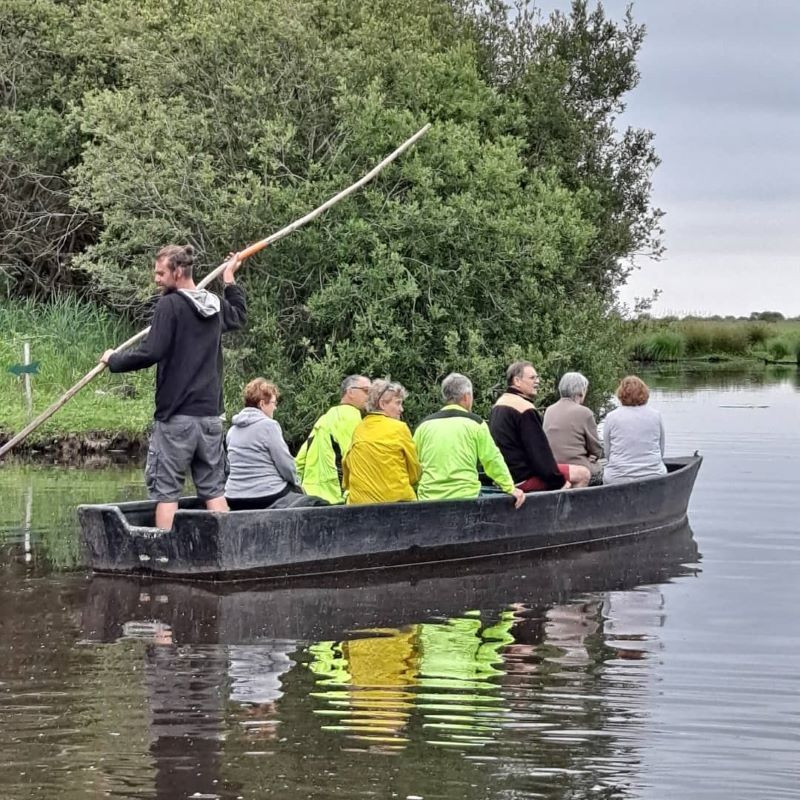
<point>662,345</point>
<point>658,340</point>
<point>67,336</point>
<point>778,348</point>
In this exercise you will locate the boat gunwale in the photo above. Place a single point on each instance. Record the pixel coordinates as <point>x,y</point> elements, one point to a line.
<point>686,462</point>
<point>115,546</point>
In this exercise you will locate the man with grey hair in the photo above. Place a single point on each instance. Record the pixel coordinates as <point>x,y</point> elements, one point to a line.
<point>571,428</point>
<point>451,442</point>
<point>517,429</point>
<point>319,460</point>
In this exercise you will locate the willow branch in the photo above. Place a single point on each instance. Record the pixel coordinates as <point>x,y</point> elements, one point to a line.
<point>245,254</point>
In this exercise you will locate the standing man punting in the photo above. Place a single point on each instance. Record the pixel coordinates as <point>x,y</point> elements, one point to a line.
<point>185,342</point>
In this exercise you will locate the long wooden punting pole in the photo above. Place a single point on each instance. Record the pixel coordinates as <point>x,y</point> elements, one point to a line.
<point>246,253</point>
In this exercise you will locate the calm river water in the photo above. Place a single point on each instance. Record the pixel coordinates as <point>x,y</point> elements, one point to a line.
<point>663,668</point>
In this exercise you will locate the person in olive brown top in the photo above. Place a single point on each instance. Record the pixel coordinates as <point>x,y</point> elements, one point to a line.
<point>516,427</point>
<point>570,427</point>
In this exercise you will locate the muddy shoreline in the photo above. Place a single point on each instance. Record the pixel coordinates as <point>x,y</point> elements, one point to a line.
<point>91,449</point>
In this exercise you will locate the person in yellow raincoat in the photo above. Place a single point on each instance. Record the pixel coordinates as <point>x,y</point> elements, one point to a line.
<point>381,465</point>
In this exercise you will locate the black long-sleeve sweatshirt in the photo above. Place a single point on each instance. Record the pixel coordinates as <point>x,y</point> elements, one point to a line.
<point>517,430</point>
<point>185,341</point>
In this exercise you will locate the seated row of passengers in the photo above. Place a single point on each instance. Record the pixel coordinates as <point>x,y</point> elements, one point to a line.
<point>360,451</point>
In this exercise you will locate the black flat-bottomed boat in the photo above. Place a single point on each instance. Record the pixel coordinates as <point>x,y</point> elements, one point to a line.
<point>281,543</point>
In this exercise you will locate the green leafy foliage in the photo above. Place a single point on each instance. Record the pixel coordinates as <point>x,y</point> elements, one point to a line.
<point>504,233</point>
<point>778,348</point>
<point>669,339</point>
<point>663,345</point>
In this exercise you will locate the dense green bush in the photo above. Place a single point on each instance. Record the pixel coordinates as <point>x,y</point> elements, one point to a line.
<point>504,233</point>
<point>715,337</point>
<point>784,347</point>
<point>778,348</point>
<point>670,338</point>
<point>757,334</point>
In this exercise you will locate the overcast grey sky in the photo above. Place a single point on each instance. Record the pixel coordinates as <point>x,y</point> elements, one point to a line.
<point>720,88</point>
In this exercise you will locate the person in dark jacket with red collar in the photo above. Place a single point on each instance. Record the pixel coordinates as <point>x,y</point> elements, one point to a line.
<point>185,341</point>
<point>516,427</point>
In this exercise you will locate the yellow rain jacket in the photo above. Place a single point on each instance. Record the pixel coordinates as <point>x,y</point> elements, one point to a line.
<point>381,465</point>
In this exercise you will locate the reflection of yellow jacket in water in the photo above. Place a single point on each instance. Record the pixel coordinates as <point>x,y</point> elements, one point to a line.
<point>382,661</point>
<point>381,465</point>
<point>369,663</point>
<point>374,670</point>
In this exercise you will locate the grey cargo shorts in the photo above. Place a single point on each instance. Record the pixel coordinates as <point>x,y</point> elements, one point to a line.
<point>185,442</point>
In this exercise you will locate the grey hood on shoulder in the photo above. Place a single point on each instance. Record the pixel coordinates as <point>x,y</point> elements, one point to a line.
<point>248,416</point>
<point>205,303</point>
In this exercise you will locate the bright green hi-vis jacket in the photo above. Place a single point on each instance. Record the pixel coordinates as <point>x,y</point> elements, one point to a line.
<point>450,443</point>
<point>319,460</point>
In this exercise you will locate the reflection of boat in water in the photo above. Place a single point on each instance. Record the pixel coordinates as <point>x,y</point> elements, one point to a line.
<point>465,657</point>
<point>322,607</point>
<point>298,541</point>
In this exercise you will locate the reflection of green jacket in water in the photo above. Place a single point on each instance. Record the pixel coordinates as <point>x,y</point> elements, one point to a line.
<point>329,664</point>
<point>319,460</point>
<point>455,654</point>
<point>458,654</point>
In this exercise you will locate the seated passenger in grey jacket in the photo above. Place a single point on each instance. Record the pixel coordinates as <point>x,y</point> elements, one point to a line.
<point>262,470</point>
<point>633,435</point>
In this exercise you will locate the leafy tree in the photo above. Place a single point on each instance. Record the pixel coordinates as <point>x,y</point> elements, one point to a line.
<point>504,233</point>
<point>767,316</point>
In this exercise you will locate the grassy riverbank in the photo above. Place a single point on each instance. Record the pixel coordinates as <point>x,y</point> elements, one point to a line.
<point>672,340</point>
<point>66,336</point>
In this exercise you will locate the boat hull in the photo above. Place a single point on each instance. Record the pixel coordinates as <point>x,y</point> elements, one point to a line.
<point>204,545</point>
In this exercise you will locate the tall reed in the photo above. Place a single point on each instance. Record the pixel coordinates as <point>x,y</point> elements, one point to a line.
<point>660,345</point>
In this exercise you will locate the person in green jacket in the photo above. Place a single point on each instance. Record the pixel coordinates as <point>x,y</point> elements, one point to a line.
<point>319,460</point>
<point>451,442</point>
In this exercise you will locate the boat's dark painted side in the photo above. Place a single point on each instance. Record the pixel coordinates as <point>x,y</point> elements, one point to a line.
<point>206,545</point>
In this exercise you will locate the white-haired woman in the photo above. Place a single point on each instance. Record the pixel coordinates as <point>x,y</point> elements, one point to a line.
<point>571,428</point>
<point>381,465</point>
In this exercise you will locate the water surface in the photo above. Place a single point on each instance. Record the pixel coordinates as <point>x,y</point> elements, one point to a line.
<point>634,671</point>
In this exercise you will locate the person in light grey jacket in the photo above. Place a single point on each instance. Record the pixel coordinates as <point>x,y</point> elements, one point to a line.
<point>633,435</point>
<point>262,470</point>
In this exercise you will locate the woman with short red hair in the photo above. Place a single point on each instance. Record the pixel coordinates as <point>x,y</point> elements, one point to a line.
<point>262,470</point>
<point>633,435</point>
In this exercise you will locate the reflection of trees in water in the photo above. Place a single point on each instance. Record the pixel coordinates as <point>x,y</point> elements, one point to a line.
<point>692,377</point>
<point>74,715</point>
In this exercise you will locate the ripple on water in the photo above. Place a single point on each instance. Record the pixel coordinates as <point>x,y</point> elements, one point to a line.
<point>630,674</point>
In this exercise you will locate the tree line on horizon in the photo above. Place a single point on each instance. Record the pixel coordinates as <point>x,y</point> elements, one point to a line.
<point>505,233</point>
